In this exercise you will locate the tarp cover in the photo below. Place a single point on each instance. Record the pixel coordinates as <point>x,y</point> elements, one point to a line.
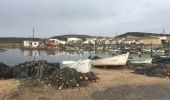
<point>82,66</point>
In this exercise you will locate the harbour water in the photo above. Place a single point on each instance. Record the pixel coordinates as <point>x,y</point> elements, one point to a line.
<point>14,56</point>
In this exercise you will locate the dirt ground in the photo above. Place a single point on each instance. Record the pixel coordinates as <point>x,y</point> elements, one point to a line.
<point>114,84</point>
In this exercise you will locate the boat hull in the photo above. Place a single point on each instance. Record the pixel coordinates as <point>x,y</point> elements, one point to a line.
<point>68,63</point>
<point>111,61</point>
<point>140,61</point>
<point>157,52</point>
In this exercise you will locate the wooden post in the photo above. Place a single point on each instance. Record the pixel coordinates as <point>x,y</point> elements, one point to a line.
<point>151,50</point>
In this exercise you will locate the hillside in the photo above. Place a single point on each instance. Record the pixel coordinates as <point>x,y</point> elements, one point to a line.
<point>64,37</point>
<point>15,40</point>
<point>142,34</point>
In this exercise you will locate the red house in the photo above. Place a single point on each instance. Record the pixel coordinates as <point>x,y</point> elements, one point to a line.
<point>52,42</point>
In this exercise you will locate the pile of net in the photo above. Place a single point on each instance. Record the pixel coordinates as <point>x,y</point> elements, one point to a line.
<point>6,71</point>
<point>48,74</point>
<point>35,69</point>
<point>69,77</point>
<point>155,70</point>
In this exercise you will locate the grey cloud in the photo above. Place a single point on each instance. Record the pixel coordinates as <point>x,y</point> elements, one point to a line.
<point>55,17</point>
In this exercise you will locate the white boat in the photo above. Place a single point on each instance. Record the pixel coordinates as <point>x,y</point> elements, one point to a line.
<point>111,61</point>
<point>68,63</point>
<point>140,60</point>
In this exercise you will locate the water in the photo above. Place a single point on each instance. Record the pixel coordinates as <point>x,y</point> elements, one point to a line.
<point>15,56</point>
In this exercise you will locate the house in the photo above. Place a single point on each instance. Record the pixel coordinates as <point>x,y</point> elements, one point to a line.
<point>90,41</point>
<point>152,40</point>
<point>74,40</point>
<point>52,42</point>
<point>33,44</point>
<point>62,42</point>
<point>129,41</point>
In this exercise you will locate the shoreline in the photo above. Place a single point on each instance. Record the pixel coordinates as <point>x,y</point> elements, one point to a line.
<point>113,84</point>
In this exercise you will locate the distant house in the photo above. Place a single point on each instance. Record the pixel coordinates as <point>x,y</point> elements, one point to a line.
<point>167,40</point>
<point>74,40</point>
<point>109,41</point>
<point>151,40</point>
<point>33,44</point>
<point>90,41</point>
<point>62,42</point>
<point>129,41</point>
<point>54,42</point>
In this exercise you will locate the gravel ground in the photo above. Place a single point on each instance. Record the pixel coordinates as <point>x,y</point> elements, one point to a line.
<point>114,84</point>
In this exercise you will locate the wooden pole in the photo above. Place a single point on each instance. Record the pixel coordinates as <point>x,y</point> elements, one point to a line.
<point>151,50</point>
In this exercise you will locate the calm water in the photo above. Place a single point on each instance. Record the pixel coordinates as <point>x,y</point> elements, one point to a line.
<point>15,56</point>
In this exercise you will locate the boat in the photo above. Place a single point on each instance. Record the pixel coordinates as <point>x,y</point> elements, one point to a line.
<point>157,52</point>
<point>68,63</point>
<point>140,60</point>
<point>161,59</point>
<point>111,61</point>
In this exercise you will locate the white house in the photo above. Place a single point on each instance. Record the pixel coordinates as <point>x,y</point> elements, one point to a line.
<point>62,42</point>
<point>162,37</point>
<point>31,43</point>
<point>73,39</point>
<point>90,41</point>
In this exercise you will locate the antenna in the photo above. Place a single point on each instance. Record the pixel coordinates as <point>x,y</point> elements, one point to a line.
<point>33,32</point>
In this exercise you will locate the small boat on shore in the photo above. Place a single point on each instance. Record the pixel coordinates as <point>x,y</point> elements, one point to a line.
<point>68,63</point>
<point>111,61</point>
<point>140,60</point>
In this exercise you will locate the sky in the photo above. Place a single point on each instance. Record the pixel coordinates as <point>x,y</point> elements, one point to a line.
<point>86,17</point>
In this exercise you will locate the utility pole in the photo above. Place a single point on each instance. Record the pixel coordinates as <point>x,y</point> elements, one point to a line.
<point>100,33</point>
<point>33,32</point>
<point>163,32</point>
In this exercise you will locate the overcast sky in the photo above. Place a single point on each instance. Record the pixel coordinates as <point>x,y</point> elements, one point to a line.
<point>91,17</point>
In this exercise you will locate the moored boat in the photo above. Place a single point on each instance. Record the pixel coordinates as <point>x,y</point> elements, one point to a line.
<point>140,60</point>
<point>111,61</point>
<point>156,52</point>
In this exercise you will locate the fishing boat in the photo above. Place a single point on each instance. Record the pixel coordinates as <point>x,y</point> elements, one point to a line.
<point>157,52</point>
<point>111,61</point>
<point>140,60</point>
<point>161,59</point>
